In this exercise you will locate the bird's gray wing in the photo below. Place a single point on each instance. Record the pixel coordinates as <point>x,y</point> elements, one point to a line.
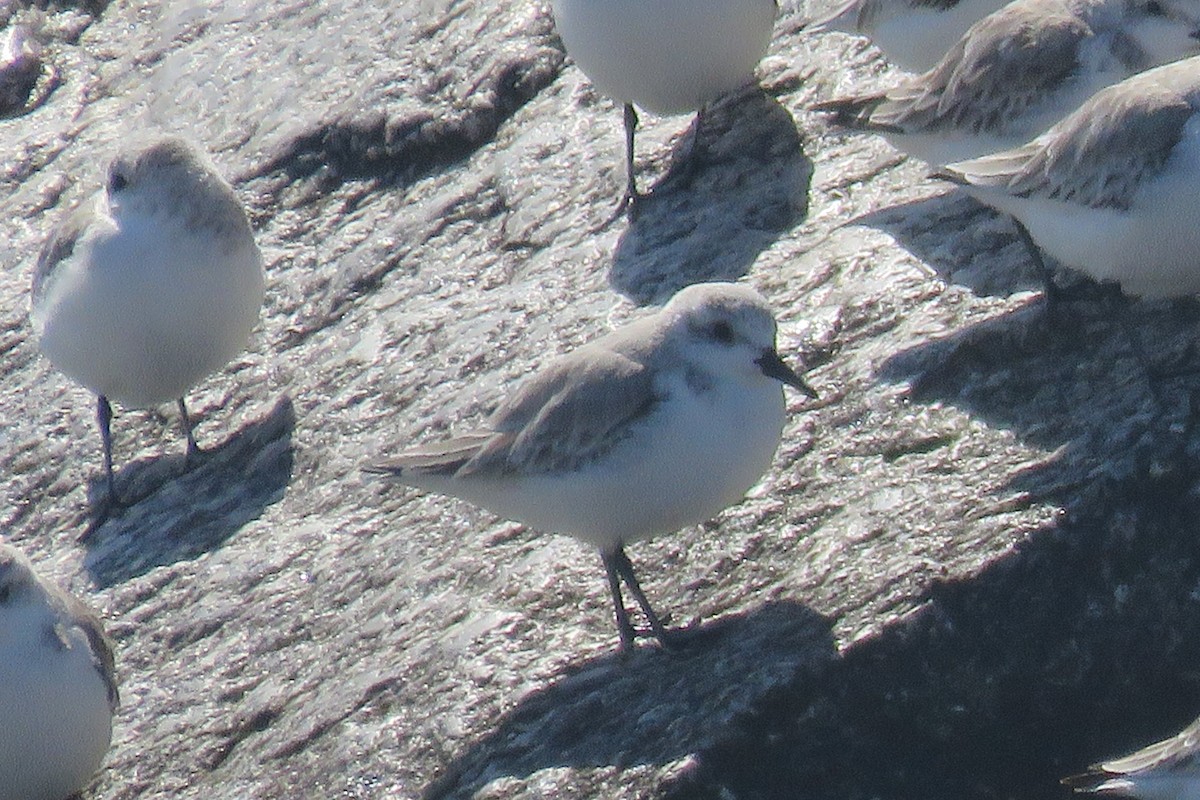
<point>58,247</point>
<point>72,611</point>
<point>437,458</point>
<point>1178,752</point>
<point>570,414</point>
<point>1005,63</point>
<point>1098,156</point>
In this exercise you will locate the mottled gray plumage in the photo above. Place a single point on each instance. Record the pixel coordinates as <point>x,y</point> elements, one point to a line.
<point>1010,60</point>
<point>572,412</point>
<point>1020,70</point>
<point>58,248</point>
<point>1099,156</point>
<point>20,584</point>
<point>1173,762</point>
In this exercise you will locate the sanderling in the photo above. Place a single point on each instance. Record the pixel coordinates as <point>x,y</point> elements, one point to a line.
<point>150,286</point>
<point>912,34</point>
<point>1166,770</point>
<point>58,689</point>
<point>658,425</point>
<point>665,56</point>
<point>1020,70</point>
<point>1112,189</point>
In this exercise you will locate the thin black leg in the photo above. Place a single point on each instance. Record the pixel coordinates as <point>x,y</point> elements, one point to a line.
<point>624,626</point>
<point>630,198</point>
<point>185,422</point>
<point>624,568</point>
<point>1035,253</point>
<point>631,123</point>
<point>104,417</point>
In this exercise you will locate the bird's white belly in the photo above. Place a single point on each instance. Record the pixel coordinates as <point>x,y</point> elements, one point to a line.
<point>691,459</point>
<point>55,721</point>
<point>1152,250</point>
<point>915,39</point>
<point>666,56</point>
<point>142,325</point>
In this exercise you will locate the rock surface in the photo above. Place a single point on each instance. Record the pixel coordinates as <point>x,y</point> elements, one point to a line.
<point>974,567</point>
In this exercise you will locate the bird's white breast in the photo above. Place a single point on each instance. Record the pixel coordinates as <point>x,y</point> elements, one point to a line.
<point>695,455</point>
<point>666,56</point>
<point>55,719</point>
<point>915,38</point>
<point>142,312</point>
<point>1152,249</point>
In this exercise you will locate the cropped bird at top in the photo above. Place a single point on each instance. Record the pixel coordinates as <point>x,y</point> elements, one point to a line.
<point>658,425</point>
<point>151,285</point>
<point>1111,190</point>
<point>1166,770</point>
<point>58,687</point>
<point>664,56</point>
<point>1020,70</point>
<point>912,34</point>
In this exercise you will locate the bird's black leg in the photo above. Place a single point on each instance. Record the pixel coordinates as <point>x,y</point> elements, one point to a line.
<point>185,421</point>
<point>624,568</point>
<point>630,198</point>
<point>1053,295</point>
<point>695,155</point>
<point>104,417</point>
<point>624,626</point>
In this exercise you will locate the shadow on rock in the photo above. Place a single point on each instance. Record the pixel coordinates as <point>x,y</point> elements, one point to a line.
<point>711,221</point>
<point>650,707</point>
<point>963,241</point>
<point>1081,644</point>
<point>1071,379</point>
<point>192,511</point>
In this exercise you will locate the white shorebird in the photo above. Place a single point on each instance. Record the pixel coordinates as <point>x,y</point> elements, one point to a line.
<point>658,425</point>
<point>1111,190</point>
<point>1020,70</point>
<point>58,689</point>
<point>665,56</point>
<point>1166,770</point>
<point>912,34</point>
<point>149,287</point>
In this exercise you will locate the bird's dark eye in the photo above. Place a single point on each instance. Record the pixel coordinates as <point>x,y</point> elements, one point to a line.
<point>5,592</point>
<point>722,332</point>
<point>116,182</point>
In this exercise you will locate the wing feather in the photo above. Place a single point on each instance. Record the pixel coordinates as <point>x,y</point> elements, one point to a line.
<point>1098,157</point>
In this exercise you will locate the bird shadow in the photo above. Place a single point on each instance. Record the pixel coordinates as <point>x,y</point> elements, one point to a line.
<point>1080,644</point>
<point>181,511</point>
<point>647,707</point>
<point>710,221</point>
<point>983,254</point>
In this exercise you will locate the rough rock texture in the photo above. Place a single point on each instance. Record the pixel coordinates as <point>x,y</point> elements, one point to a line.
<point>973,569</point>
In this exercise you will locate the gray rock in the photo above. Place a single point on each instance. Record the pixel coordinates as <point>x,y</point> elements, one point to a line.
<point>973,567</point>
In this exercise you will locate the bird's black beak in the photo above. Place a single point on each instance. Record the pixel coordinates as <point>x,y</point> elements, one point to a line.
<point>774,367</point>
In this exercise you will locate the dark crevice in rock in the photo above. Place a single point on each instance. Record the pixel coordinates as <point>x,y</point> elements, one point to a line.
<point>385,149</point>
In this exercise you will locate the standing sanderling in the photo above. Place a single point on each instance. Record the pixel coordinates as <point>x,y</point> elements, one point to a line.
<point>913,34</point>
<point>658,425</point>
<point>150,286</point>
<point>1166,770</point>
<point>665,56</point>
<point>58,689</point>
<point>1020,70</point>
<point>1111,190</point>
